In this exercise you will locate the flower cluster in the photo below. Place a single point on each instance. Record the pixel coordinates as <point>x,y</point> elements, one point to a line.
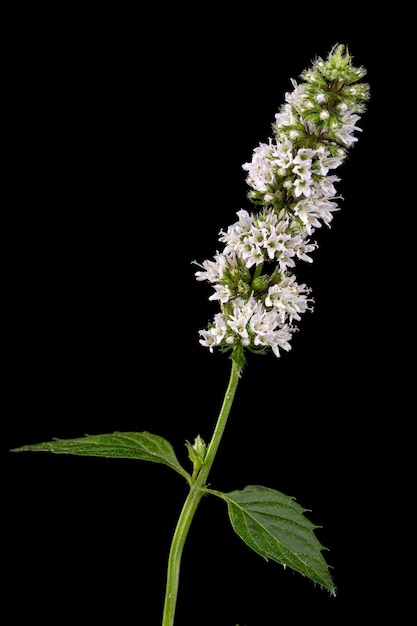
<point>291,178</point>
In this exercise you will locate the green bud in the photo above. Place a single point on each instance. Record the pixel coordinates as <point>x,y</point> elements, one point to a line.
<point>200,448</point>
<point>260,282</point>
<point>276,277</point>
<point>196,453</point>
<point>243,289</point>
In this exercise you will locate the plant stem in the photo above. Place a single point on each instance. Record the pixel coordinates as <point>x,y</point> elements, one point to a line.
<point>192,501</point>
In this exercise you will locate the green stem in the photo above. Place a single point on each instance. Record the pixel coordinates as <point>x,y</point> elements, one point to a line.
<point>192,501</point>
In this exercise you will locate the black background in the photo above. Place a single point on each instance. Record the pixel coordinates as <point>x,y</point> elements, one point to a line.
<point>129,132</point>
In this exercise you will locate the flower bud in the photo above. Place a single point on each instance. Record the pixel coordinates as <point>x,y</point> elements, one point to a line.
<point>196,453</point>
<point>260,282</point>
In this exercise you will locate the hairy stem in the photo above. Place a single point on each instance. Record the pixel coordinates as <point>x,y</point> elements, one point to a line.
<point>192,501</point>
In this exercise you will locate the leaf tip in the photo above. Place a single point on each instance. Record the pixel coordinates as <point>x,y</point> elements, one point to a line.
<point>332,590</point>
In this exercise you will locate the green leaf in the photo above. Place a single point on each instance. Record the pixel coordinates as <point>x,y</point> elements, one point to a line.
<point>144,446</point>
<point>274,526</point>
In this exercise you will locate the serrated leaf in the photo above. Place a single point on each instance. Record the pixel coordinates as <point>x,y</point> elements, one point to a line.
<point>274,526</point>
<point>143,446</point>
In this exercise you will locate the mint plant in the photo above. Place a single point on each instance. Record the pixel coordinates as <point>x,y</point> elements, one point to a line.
<point>293,190</point>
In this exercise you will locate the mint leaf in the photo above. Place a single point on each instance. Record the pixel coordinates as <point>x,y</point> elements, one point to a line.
<point>143,446</point>
<point>274,526</point>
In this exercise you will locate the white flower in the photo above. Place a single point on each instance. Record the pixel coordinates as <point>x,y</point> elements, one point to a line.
<point>238,322</point>
<point>314,210</point>
<point>303,170</point>
<point>253,255</point>
<point>281,340</point>
<point>348,127</point>
<point>213,269</point>
<point>222,293</point>
<point>288,299</point>
<point>304,154</point>
<point>259,327</point>
<point>325,187</point>
<point>303,249</point>
<point>286,116</point>
<point>325,161</point>
<point>214,335</point>
<point>282,154</point>
<point>302,186</point>
<point>260,169</point>
<point>297,96</point>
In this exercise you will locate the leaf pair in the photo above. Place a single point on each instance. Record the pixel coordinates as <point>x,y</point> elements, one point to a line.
<point>269,522</point>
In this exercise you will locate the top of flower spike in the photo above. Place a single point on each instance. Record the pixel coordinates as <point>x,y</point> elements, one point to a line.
<point>339,65</point>
<point>338,70</point>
